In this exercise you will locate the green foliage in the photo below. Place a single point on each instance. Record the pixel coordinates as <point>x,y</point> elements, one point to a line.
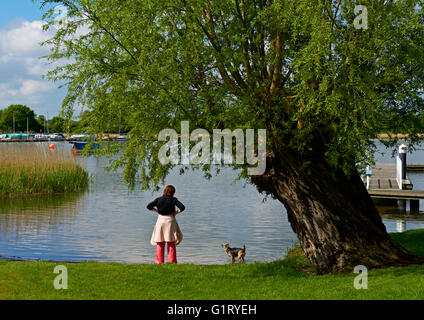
<point>298,68</point>
<point>57,124</point>
<point>16,181</point>
<point>22,114</point>
<point>34,170</point>
<point>42,123</point>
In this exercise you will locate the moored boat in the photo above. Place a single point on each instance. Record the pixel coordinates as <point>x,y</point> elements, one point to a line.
<point>122,138</point>
<point>80,146</point>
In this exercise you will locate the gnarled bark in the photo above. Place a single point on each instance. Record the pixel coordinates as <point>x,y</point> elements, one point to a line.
<point>335,219</point>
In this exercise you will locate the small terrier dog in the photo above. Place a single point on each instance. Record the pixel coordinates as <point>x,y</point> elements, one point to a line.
<point>235,252</point>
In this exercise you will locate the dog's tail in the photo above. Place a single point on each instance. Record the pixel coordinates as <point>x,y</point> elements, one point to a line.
<point>244,247</point>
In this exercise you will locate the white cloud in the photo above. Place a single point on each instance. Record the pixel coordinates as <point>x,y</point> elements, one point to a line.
<point>5,91</point>
<point>21,69</point>
<point>29,92</point>
<point>31,87</point>
<point>35,66</point>
<point>23,39</point>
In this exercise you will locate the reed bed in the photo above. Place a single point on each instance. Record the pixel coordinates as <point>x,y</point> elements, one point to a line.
<point>31,169</point>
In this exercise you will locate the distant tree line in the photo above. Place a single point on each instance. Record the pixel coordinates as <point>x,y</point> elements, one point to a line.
<point>20,118</point>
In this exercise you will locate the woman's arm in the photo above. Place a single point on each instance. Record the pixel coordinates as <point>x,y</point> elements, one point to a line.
<point>151,206</point>
<point>180,206</point>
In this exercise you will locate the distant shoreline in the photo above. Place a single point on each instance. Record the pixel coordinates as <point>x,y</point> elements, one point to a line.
<point>397,135</point>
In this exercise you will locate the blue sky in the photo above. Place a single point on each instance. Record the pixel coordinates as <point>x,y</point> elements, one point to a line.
<point>21,69</point>
<point>19,9</point>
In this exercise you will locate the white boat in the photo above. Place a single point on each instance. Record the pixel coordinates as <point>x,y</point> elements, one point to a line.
<point>41,137</point>
<point>57,136</point>
<point>122,138</point>
<point>79,137</point>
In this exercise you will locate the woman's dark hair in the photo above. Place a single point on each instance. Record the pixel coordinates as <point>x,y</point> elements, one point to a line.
<point>169,191</point>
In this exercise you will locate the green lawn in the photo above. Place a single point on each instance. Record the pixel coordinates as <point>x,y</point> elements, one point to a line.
<point>276,280</point>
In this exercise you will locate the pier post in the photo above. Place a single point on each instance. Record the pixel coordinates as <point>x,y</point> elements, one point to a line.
<point>402,204</point>
<point>401,166</point>
<point>414,206</point>
<point>368,174</point>
<point>400,225</point>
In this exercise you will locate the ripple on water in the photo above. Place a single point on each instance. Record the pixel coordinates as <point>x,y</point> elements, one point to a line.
<point>110,224</point>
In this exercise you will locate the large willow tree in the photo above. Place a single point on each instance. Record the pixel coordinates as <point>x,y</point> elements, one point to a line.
<point>321,86</point>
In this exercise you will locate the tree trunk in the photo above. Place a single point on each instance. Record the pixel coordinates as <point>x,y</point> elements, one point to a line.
<point>335,219</point>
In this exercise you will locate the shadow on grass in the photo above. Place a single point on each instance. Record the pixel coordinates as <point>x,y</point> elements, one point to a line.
<point>296,264</point>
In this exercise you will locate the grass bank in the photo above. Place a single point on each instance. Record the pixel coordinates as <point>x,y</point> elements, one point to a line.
<point>29,169</point>
<point>277,280</point>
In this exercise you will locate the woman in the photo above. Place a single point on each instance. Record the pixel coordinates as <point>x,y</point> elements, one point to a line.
<point>166,229</point>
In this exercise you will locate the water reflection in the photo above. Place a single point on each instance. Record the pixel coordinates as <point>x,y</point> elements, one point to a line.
<point>108,223</point>
<point>400,225</point>
<point>30,212</point>
<point>401,218</point>
<point>397,216</point>
<point>38,204</point>
<point>32,227</point>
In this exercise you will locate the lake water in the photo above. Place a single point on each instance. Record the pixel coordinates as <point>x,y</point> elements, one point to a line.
<point>108,223</point>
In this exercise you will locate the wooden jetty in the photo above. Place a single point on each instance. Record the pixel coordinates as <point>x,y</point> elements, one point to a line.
<point>390,181</point>
<point>415,167</point>
<point>397,194</point>
<point>384,177</point>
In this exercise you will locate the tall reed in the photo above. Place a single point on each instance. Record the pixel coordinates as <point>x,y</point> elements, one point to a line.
<point>28,169</point>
